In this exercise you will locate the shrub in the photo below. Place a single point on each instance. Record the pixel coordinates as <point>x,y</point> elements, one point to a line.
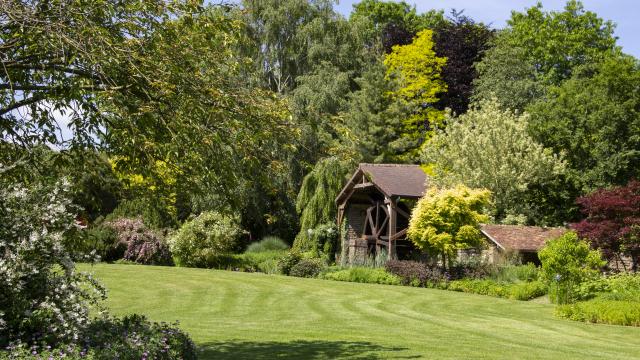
<point>269,243</point>
<point>621,287</point>
<point>470,270</point>
<point>202,241</point>
<point>132,337</point>
<point>307,268</point>
<point>41,294</point>
<point>515,291</point>
<point>362,275</point>
<point>566,263</point>
<point>288,261</point>
<point>514,273</point>
<point>415,273</point>
<point>603,312</point>
<point>104,240</point>
<point>265,262</point>
<point>143,245</point>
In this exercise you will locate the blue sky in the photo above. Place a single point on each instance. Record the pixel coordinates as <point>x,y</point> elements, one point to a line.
<point>624,13</point>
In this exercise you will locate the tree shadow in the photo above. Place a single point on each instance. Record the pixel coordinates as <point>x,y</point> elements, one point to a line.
<point>299,349</point>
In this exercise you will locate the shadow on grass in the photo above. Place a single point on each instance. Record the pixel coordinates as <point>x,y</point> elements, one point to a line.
<point>299,349</point>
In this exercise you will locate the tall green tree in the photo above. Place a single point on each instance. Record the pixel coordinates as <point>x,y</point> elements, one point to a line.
<point>490,148</point>
<point>373,119</point>
<point>594,119</point>
<point>393,23</point>
<point>140,81</point>
<point>539,48</point>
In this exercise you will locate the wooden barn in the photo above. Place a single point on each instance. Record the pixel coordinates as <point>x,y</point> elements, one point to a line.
<point>375,206</point>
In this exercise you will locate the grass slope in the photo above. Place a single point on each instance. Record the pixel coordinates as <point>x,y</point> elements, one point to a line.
<point>255,316</point>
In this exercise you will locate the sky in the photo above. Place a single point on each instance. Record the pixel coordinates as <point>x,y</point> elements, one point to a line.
<point>495,12</point>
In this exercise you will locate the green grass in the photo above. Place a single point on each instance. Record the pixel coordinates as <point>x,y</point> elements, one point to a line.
<point>235,315</point>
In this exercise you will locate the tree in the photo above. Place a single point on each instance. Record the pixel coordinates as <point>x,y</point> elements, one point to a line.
<point>593,118</point>
<point>417,70</point>
<point>393,23</point>
<point>373,120</point>
<point>316,199</point>
<point>612,221</point>
<point>489,148</point>
<point>567,262</point>
<point>541,48</point>
<point>462,42</point>
<point>445,220</point>
<point>140,82</point>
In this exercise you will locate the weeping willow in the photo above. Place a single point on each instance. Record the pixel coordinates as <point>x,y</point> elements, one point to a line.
<point>316,199</point>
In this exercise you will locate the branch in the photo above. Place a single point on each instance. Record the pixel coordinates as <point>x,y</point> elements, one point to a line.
<point>24,102</point>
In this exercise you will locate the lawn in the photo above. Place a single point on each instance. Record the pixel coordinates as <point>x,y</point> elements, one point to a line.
<point>235,315</point>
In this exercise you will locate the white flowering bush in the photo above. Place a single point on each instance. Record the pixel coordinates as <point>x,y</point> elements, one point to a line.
<point>42,296</point>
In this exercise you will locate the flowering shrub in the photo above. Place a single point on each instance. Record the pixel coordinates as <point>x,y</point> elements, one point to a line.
<point>201,241</point>
<point>42,296</point>
<point>132,337</point>
<point>141,244</point>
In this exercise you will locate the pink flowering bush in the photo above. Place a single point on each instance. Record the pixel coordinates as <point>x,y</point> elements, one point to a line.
<point>140,244</point>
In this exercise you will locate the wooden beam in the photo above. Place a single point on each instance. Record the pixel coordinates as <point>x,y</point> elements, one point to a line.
<point>363,185</point>
<point>392,207</point>
<point>399,234</point>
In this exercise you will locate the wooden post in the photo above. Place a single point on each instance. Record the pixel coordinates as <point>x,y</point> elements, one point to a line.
<point>391,206</point>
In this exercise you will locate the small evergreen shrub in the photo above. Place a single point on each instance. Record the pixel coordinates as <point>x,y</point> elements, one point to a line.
<point>104,240</point>
<point>206,241</point>
<point>142,245</point>
<point>362,275</point>
<point>288,261</point>
<point>602,311</point>
<point>307,268</point>
<point>269,243</point>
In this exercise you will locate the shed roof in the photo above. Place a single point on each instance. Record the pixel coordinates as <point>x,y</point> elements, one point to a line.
<point>392,179</point>
<point>519,237</point>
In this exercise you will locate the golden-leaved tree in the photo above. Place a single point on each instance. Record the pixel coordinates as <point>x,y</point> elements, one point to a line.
<point>445,220</point>
<point>417,72</point>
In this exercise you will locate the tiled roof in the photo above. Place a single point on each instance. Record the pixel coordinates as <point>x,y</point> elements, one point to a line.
<point>519,237</point>
<point>397,179</point>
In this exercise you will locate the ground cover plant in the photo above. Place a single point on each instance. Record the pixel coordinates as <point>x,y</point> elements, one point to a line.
<point>317,319</point>
<point>613,299</point>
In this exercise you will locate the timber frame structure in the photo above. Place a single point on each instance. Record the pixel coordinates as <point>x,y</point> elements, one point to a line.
<point>375,204</point>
